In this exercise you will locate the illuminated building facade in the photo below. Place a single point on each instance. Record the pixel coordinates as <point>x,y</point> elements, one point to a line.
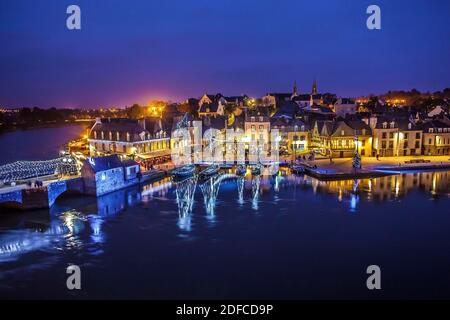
<point>129,137</point>
<point>436,138</point>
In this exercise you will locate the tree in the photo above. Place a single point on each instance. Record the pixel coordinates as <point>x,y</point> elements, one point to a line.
<point>156,108</point>
<point>135,112</point>
<point>230,108</point>
<point>356,163</point>
<point>184,107</point>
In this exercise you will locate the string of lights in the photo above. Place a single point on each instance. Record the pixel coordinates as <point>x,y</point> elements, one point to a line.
<point>21,170</point>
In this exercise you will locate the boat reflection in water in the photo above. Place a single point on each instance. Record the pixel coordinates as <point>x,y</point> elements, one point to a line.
<point>65,226</point>
<point>185,191</point>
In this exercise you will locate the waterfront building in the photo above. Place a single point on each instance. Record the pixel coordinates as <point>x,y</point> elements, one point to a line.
<point>348,135</point>
<point>395,137</point>
<point>148,137</point>
<point>105,174</point>
<point>294,134</point>
<point>436,137</point>
<point>257,126</point>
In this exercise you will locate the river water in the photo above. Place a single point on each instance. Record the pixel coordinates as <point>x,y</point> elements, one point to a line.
<point>36,144</point>
<point>282,237</point>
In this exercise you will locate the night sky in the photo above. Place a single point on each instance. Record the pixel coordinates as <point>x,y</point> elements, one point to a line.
<point>137,50</point>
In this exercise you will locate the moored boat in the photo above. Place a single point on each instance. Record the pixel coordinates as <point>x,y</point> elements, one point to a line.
<point>241,170</point>
<point>184,171</point>
<point>256,170</point>
<point>209,171</point>
<point>298,169</point>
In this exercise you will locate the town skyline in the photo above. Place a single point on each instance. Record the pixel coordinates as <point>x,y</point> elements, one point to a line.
<point>214,92</point>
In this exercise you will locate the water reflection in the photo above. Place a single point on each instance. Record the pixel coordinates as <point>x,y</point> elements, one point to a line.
<point>256,183</point>
<point>79,223</point>
<point>240,187</point>
<point>184,191</point>
<point>210,190</point>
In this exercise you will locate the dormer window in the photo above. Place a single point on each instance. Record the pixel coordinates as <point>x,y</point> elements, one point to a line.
<point>95,134</point>
<point>392,125</point>
<point>103,135</point>
<point>409,126</point>
<point>110,135</point>
<point>384,125</point>
<point>302,128</point>
<point>117,136</point>
<point>261,119</point>
<point>430,130</point>
<point>440,130</point>
<point>342,133</point>
<point>252,119</point>
<point>363,132</point>
<point>128,136</point>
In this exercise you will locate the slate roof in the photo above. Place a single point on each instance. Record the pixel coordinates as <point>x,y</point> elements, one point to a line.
<point>280,96</point>
<point>302,97</point>
<point>286,108</point>
<point>99,164</point>
<point>235,99</point>
<point>214,122</point>
<point>351,127</point>
<point>212,107</point>
<point>129,163</point>
<point>345,101</point>
<point>435,124</point>
<point>399,123</point>
<point>123,126</point>
<point>288,124</point>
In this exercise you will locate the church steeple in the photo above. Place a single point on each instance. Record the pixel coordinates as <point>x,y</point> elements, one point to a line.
<point>314,87</point>
<point>294,93</point>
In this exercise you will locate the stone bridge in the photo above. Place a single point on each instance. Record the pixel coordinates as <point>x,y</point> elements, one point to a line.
<point>24,197</point>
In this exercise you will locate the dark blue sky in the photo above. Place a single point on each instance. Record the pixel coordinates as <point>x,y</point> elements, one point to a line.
<point>133,51</point>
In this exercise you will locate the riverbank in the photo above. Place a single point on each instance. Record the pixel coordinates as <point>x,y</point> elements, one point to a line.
<point>46,125</point>
<point>37,144</point>
<point>340,169</point>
